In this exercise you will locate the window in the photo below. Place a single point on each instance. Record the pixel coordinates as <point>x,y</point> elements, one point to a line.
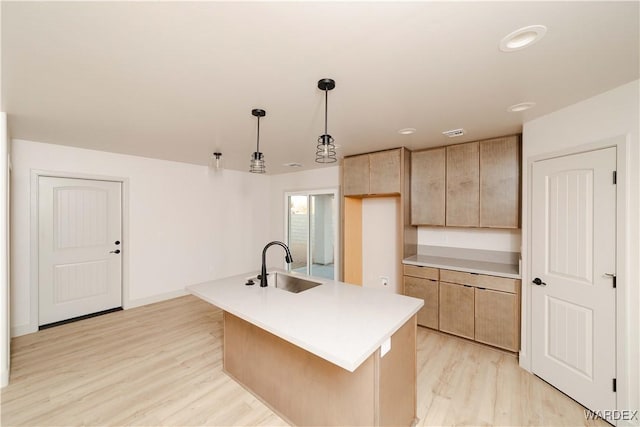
<point>311,232</point>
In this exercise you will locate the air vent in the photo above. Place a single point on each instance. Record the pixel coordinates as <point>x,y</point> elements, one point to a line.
<point>293,165</point>
<point>453,133</point>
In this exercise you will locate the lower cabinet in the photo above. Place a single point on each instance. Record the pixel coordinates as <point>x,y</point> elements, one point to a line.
<point>422,282</point>
<point>475,306</point>
<point>497,318</point>
<point>427,290</point>
<point>456,309</point>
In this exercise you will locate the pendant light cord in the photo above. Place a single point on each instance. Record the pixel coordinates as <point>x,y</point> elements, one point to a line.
<point>258,137</point>
<point>326,107</point>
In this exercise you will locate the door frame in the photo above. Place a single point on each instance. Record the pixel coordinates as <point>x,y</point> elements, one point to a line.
<point>336,216</point>
<point>34,241</point>
<point>624,338</point>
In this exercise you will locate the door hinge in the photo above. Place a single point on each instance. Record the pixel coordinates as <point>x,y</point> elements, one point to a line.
<point>614,385</point>
<point>615,177</point>
<point>613,278</point>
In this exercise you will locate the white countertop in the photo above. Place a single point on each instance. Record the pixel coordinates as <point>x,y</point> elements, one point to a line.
<point>468,265</point>
<point>341,323</point>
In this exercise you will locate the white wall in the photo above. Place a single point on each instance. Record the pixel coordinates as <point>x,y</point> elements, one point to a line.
<point>471,238</point>
<point>381,246</point>
<point>615,113</point>
<point>4,254</point>
<point>187,223</point>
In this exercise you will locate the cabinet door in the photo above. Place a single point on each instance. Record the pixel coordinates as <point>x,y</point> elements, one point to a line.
<point>457,309</point>
<point>384,172</point>
<point>500,182</point>
<point>356,175</point>
<point>497,319</point>
<point>428,170</point>
<point>463,188</point>
<point>427,290</point>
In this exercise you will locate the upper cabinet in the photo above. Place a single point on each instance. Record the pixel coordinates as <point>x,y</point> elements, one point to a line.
<point>463,190</point>
<point>500,182</point>
<point>355,171</point>
<point>475,184</point>
<point>428,186</point>
<point>372,173</point>
<point>384,172</point>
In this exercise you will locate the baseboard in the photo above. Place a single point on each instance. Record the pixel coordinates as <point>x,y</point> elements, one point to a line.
<point>524,362</point>
<point>16,331</point>
<point>154,298</point>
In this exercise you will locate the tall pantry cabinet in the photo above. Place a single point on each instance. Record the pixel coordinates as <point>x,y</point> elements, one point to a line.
<point>372,175</point>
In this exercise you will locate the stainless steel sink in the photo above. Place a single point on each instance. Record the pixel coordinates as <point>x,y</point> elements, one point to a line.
<point>289,283</point>
<point>293,284</point>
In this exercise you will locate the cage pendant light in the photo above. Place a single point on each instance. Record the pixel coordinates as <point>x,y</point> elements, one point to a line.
<point>326,149</point>
<point>257,158</point>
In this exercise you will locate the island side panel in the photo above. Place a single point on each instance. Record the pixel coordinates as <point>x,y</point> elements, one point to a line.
<point>398,378</point>
<point>301,387</point>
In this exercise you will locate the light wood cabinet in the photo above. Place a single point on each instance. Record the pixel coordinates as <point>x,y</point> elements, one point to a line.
<point>372,174</point>
<point>463,189</point>
<point>384,172</point>
<point>355,171</point>
<point>495,312</point>
<point>475,184</point>
<point>476,306</point>
<point>500,182</point>
<point>456,314</point>
<point>428,178</point>
<point>422,282</point>
<point>497,318</point>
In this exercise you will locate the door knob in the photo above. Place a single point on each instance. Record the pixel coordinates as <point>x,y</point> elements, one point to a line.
<point>117,251</point>
<point>538,282</point>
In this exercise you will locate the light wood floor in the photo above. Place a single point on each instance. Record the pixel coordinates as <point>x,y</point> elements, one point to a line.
<point>160,365</point>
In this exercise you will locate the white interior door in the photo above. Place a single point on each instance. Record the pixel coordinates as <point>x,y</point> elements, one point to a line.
<point>574,258</point>
<point>79,264</point>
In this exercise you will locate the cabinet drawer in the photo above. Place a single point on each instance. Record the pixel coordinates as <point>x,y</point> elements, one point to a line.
<point>424,272</point>
<point>496,283</point>
<point>427,290</point>
<point>503,284</point>
<point>459,277</point>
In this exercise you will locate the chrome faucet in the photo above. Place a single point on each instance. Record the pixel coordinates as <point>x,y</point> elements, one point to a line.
<point>263,271</point>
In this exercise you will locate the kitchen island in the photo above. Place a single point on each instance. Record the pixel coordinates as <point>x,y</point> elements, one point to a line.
<point>335,354</point>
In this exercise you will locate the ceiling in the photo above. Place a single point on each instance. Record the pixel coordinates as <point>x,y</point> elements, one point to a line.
<point>178,80</point>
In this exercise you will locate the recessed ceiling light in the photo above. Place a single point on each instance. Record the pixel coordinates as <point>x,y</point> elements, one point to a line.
<point>521,107</point>
<point>293,165</point>
<point>407,131</point>
<point>523,37</point>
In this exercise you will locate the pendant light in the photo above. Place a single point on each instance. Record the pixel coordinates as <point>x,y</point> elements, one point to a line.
<point>326,149</point>
<point>257,158</point>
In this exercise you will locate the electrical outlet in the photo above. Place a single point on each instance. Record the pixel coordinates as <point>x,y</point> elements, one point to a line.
<point>384,280</point>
